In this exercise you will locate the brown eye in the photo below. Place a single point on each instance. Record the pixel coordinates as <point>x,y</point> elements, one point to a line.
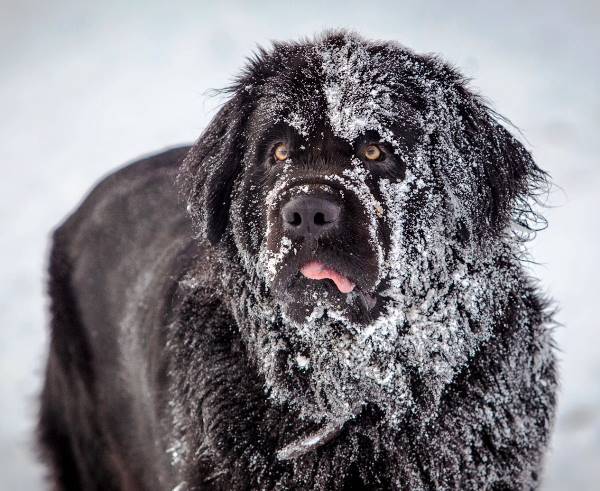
<point>372,152</point>
<point>281,152</point>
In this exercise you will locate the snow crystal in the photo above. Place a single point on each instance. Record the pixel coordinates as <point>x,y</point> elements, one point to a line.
<point>303,361</point>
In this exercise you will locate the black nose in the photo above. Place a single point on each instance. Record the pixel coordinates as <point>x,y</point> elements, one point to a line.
<point>309,216</point>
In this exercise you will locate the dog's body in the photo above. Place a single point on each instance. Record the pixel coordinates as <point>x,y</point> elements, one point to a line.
<point>201,364</point>
<point>98,344</point>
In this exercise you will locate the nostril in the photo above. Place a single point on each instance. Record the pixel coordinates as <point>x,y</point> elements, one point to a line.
<point>309,216</point>
<point>319,219</point>
<point>296,220</point>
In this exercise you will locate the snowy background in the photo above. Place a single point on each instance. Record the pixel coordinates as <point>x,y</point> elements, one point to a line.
<point>83,89</point>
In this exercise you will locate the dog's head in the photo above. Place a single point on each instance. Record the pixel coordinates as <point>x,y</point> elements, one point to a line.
<point>366,194</point>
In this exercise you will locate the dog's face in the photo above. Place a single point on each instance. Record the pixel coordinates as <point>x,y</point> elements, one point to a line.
<point>311,215</point>
<point>365,194</point>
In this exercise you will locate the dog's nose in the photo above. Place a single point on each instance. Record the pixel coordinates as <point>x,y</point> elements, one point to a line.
<point>309,216</point>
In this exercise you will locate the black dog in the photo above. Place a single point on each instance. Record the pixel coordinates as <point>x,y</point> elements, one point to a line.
<point>345,309</point>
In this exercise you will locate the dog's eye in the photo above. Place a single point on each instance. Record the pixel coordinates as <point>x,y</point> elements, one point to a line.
<point>281,152</point>
<point>372,152</point>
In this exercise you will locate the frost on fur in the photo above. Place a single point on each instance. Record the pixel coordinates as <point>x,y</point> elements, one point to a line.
<point>449,285</point>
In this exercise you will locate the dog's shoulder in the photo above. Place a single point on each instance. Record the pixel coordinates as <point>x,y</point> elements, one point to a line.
<point>126,239</point>
<point>147,180</point>
<point>127,211</point>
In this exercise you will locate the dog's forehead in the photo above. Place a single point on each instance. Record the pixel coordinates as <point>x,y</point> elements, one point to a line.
<point>347,84</point>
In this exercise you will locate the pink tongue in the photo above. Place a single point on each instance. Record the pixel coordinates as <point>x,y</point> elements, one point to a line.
<point>317,271</point>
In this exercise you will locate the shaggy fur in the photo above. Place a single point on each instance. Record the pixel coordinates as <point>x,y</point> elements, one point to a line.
<point>188,352</point>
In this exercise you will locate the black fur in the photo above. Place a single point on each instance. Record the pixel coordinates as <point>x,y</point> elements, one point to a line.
<point>157,375</point>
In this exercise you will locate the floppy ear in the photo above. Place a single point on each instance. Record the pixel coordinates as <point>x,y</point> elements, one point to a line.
<point>502,164</point>
<point>208,171</point>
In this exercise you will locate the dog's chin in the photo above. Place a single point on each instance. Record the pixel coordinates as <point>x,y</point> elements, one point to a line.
<point>305,300</point>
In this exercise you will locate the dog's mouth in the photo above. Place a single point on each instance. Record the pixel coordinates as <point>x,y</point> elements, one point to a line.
<point>327,280</point>
<point>316,270</point>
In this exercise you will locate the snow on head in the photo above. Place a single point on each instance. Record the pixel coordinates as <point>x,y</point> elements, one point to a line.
<point>445,275</point>
<point>358,98</point>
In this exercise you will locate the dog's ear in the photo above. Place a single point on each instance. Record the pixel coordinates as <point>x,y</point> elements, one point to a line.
<point>208,171</point>
<point>501,163</point>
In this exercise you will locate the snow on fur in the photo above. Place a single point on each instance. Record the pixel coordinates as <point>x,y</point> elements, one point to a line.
<point>437,288</point>
<point>447,279</point>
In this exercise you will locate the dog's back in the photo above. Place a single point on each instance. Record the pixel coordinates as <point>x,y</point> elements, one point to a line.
<point>112,265</point>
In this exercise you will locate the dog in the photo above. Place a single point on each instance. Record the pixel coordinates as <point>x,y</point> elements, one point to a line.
<point>325,291</point>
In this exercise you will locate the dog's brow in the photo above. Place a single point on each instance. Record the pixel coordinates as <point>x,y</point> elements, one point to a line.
<point>277,133</point>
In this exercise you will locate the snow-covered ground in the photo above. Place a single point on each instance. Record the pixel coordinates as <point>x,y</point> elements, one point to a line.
<point>85,88</point>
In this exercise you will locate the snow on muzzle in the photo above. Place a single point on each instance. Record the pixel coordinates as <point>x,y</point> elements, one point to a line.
<point>292,203</point>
